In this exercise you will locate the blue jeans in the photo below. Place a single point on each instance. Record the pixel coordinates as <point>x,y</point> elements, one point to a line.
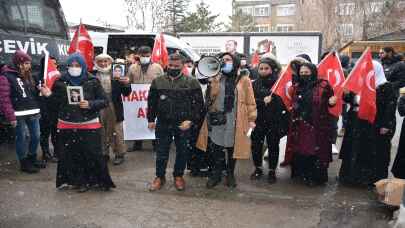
<point>32,124</point>
<point>165,133</point>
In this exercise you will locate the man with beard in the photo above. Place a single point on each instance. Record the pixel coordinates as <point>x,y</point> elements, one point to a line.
<point>175,102</point>
<point>394,68</point>
<point>143,73</point>
<point>112,116</point>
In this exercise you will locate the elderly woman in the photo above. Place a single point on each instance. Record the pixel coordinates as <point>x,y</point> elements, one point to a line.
<point>112,117</point>
<point>231,113</point>
<point>310,134</point>
<point>81,163</point>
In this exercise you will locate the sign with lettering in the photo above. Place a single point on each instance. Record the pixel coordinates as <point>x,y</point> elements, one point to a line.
<point>135,109</point>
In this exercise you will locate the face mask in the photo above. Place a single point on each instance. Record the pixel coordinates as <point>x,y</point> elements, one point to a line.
<point>144,60</point>
<point>227,68</point>
<point>75,71</point>
<point>190,70</point>
<point>173,72</point>
<point>243,62</point>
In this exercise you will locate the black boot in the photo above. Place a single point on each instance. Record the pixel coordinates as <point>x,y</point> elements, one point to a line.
<point>230,178</point>
<point>35,162</point>
<point>272,177</point>
<point>27,167</point>
<point>257,174</point>
<point>214,180</point>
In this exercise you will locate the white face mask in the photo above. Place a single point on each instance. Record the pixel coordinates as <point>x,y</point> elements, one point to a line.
<point>144,60</point>
<point>75,71</point>
<point>190,70</point>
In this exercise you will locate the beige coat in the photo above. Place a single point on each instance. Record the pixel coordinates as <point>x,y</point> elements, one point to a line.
<point>246,112</point>
<point>136,76</point>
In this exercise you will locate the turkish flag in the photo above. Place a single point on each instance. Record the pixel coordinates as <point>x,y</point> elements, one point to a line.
<point>282,86</point>
<point>330,69</point>
<point>160,54</point>
<point>362,82</point>
<point>82,43</point>
<point>51,72</point>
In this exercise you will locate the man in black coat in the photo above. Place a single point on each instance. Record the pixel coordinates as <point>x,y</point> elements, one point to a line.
<point>394,68</point>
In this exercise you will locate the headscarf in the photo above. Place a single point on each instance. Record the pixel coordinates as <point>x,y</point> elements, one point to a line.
<point>77,57</point>
<point>230,83</point>
<point>304,93</point>
<point>379,74</point>
<point>276,69</point>
<point>102,57</point>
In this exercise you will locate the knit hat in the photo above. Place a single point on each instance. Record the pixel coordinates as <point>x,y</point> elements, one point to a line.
<point>21,57</point>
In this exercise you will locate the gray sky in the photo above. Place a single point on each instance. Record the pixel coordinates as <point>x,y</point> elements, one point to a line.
<point>92,10</point>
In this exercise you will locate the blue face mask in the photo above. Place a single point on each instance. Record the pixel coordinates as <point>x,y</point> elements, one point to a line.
<point>227,68</point>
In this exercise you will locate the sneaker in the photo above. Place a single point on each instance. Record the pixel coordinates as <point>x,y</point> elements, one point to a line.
<point>334,149</point>
<point>257,174</point>
<point>271,179</point>
<point>27,167</point>
<point>157,184</point>
<point>118,160</point>
<point>179,183</point>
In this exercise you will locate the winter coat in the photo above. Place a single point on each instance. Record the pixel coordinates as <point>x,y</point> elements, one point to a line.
<point>174,101</point>
<point>117,91</point>
<point>398,168</point>
<point>6,107</point>
<point>245,112</point>
<point>137,76</point>
<point>93,92</point>
<point>23,94</point>
<point>274,115</point>
<point>394,70</point>
<point>386,106</point>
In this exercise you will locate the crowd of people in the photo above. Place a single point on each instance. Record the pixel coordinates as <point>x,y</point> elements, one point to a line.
<point>232,118</point>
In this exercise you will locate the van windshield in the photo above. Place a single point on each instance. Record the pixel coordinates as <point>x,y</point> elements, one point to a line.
<point>33,16</point>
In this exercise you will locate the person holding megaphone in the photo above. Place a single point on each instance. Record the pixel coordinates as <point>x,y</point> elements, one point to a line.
<point>231,113</point>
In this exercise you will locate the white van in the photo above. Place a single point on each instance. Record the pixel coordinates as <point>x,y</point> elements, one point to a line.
<point>119,44</point>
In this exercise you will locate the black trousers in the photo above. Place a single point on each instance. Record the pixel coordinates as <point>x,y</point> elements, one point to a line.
<point>220,160</point>
<point>47,128</point>
<point>273,141</point>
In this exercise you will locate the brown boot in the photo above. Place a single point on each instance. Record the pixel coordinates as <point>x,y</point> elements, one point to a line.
<point>157,183</point>
<point>179,183</point>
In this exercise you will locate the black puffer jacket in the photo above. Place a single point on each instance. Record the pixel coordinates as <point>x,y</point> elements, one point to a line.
<point>273,115</point>
<point>93,93</point>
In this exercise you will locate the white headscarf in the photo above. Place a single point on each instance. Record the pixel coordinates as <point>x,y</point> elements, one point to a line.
<point>379,74</point>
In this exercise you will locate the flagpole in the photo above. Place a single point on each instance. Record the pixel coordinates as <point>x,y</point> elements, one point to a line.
<point>46,67</point>
<point>78,35</point>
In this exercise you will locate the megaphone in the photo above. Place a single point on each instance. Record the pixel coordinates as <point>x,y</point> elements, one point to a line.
<point>209,66</point>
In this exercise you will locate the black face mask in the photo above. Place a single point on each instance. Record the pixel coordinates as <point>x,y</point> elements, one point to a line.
<point>173,72</point>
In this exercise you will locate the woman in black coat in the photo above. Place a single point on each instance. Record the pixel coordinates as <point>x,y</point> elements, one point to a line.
<point>272,119</point>
<point>81,163</point>
<point>398,169</point>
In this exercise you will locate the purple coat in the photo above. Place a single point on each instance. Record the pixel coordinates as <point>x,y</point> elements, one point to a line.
<point>6,106</point>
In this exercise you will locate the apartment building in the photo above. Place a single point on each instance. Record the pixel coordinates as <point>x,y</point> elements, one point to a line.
<point>270,15</point>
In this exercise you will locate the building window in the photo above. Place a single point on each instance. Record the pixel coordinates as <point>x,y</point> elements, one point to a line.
<point>262,28</point>
<point>246,10</point>
<point>346,9</point>
<point>286,10</point>
<point>284,27</point>
<point>262,11</point>
<point>345,29</point>
<point>376,7</point>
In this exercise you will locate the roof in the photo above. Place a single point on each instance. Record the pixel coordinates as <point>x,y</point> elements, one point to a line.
<point>392,36</point>
<point>97,28</point>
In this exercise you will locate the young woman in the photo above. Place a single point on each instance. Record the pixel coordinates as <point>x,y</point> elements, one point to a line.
<point>231,112</point>
<point>272,119</point>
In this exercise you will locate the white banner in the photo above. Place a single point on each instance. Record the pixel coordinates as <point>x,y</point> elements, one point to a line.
<point>135,109</point>
<point>212,45</point>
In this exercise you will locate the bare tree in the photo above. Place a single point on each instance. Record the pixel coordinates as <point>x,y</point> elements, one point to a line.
<point>146,14</point>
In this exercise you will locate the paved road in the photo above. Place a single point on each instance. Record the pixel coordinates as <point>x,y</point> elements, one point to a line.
<point>32,200</point>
